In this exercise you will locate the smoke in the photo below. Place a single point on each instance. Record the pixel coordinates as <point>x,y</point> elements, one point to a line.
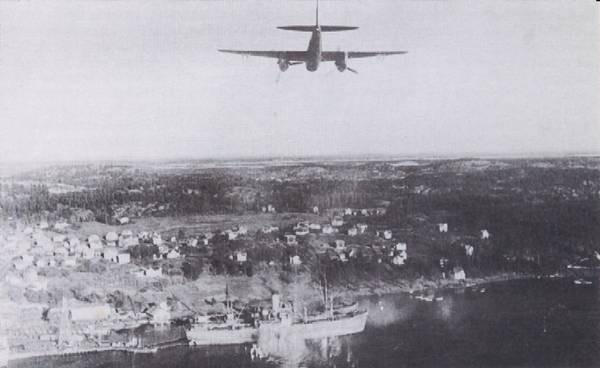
<point>389,310</point>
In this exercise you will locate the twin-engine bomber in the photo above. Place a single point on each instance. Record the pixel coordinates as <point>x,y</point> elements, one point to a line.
<point>314,55</point>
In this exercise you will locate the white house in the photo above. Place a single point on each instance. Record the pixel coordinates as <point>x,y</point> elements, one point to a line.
<point>469,250</point>
<point>348,212</point>
<point>173,254</point>
<point>443,227</point>
<point>111,236</point>
<point>69,262</point>
<point>241,256</point>
<point>290,239</point>
<point>161,315</point>
<point>90,312</point>
<point>400,247</point>
<point>327,229</point>
<point>337,221</point>
<point>295,260</point>
<point>314,226</point>
<point>362,228</point>
<point>387,234</point>
<point>398,260</point>
<point>340,245</point>
<point>301,231</point>
<point>61,226</point>
<point>353,231</point>
<point>123,220</point>
<point>123,258</point>
<point>110,254</point>
<point>459,273</point>
<point>315,210</point>
<point>151,272</point>
<point>485,234</point>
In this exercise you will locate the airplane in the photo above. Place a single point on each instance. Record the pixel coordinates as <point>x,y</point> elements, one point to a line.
<point>314,55</point>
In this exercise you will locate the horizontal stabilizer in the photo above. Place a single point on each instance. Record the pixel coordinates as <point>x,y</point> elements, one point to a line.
<point>314,28</point>
<point>336,28</point>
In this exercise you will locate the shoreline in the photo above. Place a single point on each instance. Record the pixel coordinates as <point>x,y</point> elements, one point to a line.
<point>361,292</point>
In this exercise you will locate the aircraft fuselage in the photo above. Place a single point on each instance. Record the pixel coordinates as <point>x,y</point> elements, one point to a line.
<point>314,51</point>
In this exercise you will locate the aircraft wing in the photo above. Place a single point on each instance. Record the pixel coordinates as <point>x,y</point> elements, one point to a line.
<point>336,55</point>
<point>287,55</point>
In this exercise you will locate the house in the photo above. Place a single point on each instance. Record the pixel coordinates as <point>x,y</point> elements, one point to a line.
<point>337,221</point>
<point>362,228</point>
<point>290,239</point>
<point>44,225</point>
<point>123,220</point>
<point>314,226</point>
<point>443,227</point>
<point>485,234</point>
<point>87,253</point>
<point>151,272</point>
<point>400,247</point>
<point>73,243</point>
<point>387,234</point>
<point>161,315</point>
<point>241,256</point>
<point>123,258</point>
<point>94,242</point>
<point>340,245</point>
<point>398,260</point>
<point>28,230</point>
<point>173,254</point>
<point>111,236</point>
<point>342,257</point>
<point>126,239</point>
<point>468,250</point>
<point>44,262</point>
<point>327,229</point>
<point>43,242</point>
<point>110,254</point>
<point>270,229</point>
<point>270,209</point>
<point>301,231</point>
<point>353,231</point>
<point>315,210</point>
<point>88,313</point>
<point>156,239</point>
<point>348,212</point>
<point>459,273</point>
<point>295,260</point>
<point>69,262</point>
<point>61,226</point>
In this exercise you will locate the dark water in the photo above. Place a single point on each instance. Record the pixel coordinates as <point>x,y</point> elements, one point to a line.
<point>532,323</point>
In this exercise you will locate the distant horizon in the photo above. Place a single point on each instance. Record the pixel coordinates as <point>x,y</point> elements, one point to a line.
<point>315,158</point>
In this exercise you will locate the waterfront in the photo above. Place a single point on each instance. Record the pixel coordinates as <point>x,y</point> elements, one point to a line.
<point>529,323</point>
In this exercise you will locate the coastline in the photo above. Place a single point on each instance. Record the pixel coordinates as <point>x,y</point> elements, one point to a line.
<point>404,287</point>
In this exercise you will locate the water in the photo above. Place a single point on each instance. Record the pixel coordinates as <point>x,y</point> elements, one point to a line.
<point>528,323</point>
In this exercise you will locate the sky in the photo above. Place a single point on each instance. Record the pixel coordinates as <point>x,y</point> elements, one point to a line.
<point>128,80</point>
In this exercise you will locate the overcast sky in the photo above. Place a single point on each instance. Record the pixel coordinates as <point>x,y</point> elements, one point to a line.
<point>132,80</point>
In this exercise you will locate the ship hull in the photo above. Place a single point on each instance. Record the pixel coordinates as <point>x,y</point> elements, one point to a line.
<point>318,329</point>
<point>221,336</point>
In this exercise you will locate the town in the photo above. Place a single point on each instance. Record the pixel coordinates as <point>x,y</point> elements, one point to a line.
<point>88,255</point>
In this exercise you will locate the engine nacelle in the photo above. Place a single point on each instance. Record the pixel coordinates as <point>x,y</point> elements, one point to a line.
<point>283,64</point>
<point>340,63</point>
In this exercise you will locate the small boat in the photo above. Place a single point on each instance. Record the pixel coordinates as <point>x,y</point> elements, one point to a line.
<point>582,282</point>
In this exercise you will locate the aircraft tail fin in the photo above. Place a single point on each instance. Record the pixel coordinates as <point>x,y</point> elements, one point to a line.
<point>314,28</point>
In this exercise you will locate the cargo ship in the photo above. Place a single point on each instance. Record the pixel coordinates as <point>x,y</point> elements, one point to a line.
<point>231,329</point>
